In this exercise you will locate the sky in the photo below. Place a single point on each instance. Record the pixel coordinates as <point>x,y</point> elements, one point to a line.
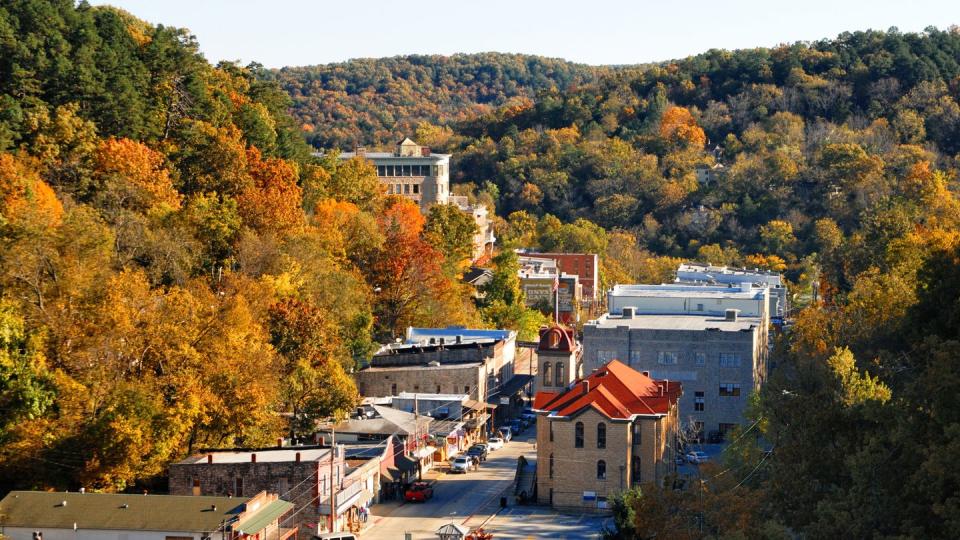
<point>305,32</point>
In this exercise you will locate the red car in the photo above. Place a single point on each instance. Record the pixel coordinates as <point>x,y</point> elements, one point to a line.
<point>419,492</point>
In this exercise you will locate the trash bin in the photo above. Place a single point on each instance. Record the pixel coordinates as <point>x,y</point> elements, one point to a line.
<point>503,502</point>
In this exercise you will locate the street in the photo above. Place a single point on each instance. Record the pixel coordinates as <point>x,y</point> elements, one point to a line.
<point>467,499</point>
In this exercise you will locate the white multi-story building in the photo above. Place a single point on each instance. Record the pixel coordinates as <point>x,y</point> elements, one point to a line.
<point>693,273</point>
<point>712,339</point>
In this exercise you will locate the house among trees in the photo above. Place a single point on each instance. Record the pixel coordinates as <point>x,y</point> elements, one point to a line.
<point>610,431</point>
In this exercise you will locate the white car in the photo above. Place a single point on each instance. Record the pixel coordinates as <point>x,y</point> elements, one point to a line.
<point>697,457</point>
<point>460,464</point>
<point>495,443</point>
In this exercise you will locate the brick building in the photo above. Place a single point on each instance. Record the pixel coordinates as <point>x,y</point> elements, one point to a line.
<point>301,475</point>
<point>586,266</point>
<point>547,288</point>
<point>610,431</point>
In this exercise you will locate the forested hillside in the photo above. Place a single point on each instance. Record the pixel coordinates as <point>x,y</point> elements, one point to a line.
<point>840,167</point>
<point>177,271</point>
<point>376,101</point>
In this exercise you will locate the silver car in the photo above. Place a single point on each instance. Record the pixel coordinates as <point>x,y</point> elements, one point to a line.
<point>460,464</point>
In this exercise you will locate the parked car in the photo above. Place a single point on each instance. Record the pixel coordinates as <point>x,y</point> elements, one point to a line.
<point>697,457</point>
<point>506,433</point>
<point>516,426</point>
<point>460,464</point>
<point>479,451</point>
<point>495,443</point>
<point>419,492</point>
<point>529,416</point>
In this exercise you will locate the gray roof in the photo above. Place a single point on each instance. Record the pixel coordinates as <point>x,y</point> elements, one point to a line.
<point>677,322</point>
<point>41,509</point>
<point>391,422</point>
<point>685,291</point>
<point>270,455</point>
<point>391,155</point>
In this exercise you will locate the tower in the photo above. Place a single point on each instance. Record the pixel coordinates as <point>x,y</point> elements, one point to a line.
<point>558,358</point>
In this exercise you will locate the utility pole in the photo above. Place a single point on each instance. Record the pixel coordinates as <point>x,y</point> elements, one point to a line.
<point>333,485</point>
<point>416,434</point>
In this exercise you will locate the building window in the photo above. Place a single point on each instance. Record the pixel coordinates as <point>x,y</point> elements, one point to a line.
<point>397,189</point>
<point>390,170</point>
<point>601,435</point>
<point>700,358</point>
<point>416,188</point>
<point>605,356</point>
<point>238,486</point>
<point>435,170</point>
<point>406,170</point>
<point>438,388</point>
<point>578,435</point>
<point>699,307</point>
<point>416,388</point>
<point>547,376</point>
<point>726,428</point>
<point>637,428</point>
<point>554,340</point>
<point>559,377</point>
<point>551,431</point>
<point>635,357</point>
<point>729,390</point>
<point>406,189</point>
<point>666,358</point>
<point>601,470</point>
<point>393,389</point>
<point>466,389</point>
<point>698,401</point>
<point>551,465</point>
<point>381,170</point>
<point>729,360</point>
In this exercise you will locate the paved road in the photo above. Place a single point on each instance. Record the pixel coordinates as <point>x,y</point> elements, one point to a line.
<point>531,522</point>
<point>458,498</point>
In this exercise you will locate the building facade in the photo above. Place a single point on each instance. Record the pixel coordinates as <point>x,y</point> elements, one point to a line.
<point>301,475</point>
<point>692,273</point>
<point>547,288</point>
<point>610,431</point>
<point>586,266</point>
<point>412,171</point>
<point>714,340</point>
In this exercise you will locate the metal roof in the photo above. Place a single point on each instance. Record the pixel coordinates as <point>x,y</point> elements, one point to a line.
<point>41,509</point>
<point>676,322</point>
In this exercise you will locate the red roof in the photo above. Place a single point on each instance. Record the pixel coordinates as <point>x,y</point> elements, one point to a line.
<point>616,391</point>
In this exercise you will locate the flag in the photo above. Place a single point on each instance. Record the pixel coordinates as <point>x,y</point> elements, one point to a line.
<point>556,282</point>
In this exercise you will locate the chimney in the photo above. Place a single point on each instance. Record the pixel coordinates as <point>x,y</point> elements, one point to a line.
<point>459,339</point>
<point>585,384</point>
<point>279,442</point>
<point>425,151</point>
<point>253,458</point>
<point>629,312</point>
<point>359,151</point>
<point>732,315</point>
<point>297,458</point>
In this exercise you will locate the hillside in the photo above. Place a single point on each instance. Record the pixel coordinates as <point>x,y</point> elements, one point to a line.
<point>374,101</point>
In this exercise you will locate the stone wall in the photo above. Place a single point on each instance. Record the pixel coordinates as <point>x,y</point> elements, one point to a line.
<point>426,379</point>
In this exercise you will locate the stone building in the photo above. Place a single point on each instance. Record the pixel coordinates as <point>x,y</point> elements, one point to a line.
<point>301,475</point>
<point>559,359</point>
<point>610,431</point>
<point>412,171</point>
<point>713,339</point>
<point>441,361</point>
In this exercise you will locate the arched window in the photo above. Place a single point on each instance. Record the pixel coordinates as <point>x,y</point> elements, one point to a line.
<point>560,374</point>
<point>601,435</point>
<point>551,465</point>
<point>547,377</point>
<point>554,339</point>
<point>635,478</point>
<point>601,470</point>
<point>578,435</point>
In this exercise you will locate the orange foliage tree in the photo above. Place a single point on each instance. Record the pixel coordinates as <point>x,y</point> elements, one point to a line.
<point>679,127</point>
<point>136,173</point>
<point>273,201</point>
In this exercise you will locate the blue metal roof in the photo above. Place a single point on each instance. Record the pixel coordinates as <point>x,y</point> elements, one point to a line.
<point>418,335</point>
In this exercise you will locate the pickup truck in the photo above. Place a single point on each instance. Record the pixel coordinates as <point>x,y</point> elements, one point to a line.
<point>419,492</point>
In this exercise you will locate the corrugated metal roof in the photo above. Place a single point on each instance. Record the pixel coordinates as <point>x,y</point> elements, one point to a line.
<point>265,516</point>
<point>117,511</point>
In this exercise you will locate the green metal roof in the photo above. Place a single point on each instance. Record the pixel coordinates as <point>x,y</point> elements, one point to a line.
<point>117,511</point>
<point>263,517</point>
